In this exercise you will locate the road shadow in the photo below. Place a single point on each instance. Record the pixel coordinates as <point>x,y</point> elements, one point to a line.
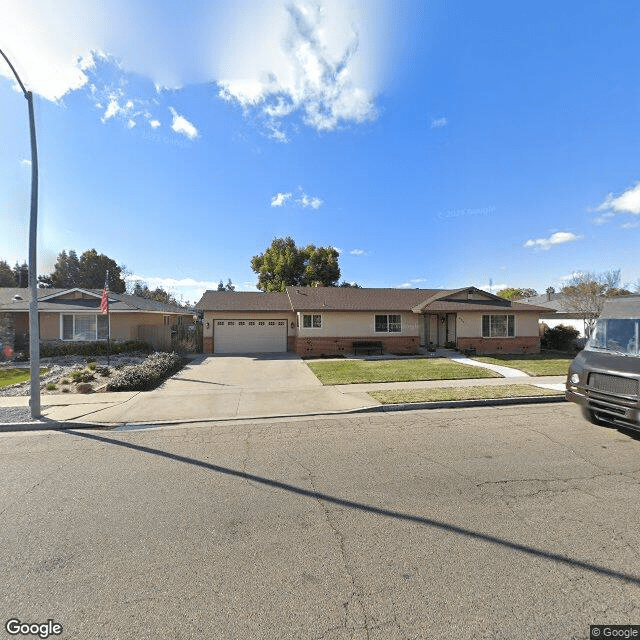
<point>359,506</point>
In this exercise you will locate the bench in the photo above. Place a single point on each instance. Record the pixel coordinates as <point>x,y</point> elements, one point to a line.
<point>368,347</point>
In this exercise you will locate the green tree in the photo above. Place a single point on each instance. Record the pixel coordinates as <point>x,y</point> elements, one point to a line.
<point>7,277</point>
<point>515,293</point>
<point>284,264</point>
<point>21,275</point>
<point>87,272</point>
<point>141,289</point>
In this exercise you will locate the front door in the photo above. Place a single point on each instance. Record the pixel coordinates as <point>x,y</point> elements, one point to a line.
<point>440,328</point>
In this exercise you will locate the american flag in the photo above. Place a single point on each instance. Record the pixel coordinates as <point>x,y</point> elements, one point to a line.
<point>104,301</point>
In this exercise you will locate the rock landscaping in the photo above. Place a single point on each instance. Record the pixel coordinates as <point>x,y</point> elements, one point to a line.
<point>78,374</point>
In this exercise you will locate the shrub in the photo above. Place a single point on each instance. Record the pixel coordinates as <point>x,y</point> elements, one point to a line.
<point>148,375</point>
<point>91,365</point>
<point>50,387</point>
<point>82,376</point>
<point>65,381</point>
<point>93,348</point>
<point>560,338</point>
<point>105,372</point>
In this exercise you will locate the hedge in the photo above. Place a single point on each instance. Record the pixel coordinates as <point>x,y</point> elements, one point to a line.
<point>93,348</point>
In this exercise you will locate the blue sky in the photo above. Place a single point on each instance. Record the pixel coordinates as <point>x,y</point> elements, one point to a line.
<point>443,144</point>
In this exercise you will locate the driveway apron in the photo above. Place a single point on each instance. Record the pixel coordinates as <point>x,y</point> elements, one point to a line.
<point>238,386</point>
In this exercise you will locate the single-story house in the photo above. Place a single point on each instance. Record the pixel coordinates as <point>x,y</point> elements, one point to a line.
<point>557,313</point>
<point>73,315</point>
<point>327,320</point>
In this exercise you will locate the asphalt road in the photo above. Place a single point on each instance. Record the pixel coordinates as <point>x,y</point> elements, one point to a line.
<point>501,523</point>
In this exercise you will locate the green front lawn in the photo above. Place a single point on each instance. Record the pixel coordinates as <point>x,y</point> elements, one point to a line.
<point>352,371</point>
<point>14,376</point>
<point>443,394</point>
<point>535,364</point>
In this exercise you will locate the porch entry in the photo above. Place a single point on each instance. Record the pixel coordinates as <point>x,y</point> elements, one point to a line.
<point>440,328</point>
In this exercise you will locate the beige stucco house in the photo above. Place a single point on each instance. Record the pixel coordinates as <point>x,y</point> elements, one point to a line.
<point>327,320</point>
<point>73,315</point>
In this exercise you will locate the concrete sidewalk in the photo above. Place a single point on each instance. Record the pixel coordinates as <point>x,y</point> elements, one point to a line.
<point>217,388</point>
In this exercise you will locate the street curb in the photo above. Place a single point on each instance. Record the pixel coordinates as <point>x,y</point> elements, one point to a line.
<point>8,427</point>
<point>461,404</point>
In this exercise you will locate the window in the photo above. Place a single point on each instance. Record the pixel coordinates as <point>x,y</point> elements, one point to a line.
<point>499,326</point>
<point>85,327</point>
<point>388,323</point>
<point>312,321</point>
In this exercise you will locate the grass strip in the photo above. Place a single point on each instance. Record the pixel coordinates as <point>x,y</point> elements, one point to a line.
<point>443,394</point>
<point>14,376</point>
<point>534,364</point>
<point>355,371</point>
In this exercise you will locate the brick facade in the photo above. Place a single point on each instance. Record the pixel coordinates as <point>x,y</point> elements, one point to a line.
<point>331,346</point>
<point>524,344</point>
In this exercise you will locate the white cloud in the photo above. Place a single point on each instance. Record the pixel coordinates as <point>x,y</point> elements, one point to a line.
<point>181,125</point>
<point>25,163</point>
<point>311,61</point>
<point>627,202</point>
<point>154,124</point>
<point>571,276</point>
<point>414,283</point>
<point>438,123</point>
<point>604,218</point>
<point>634,224</point>
<point>303,200</point>
<point>560,237</point>
<point>279,199</point>
<point>358,252</point>
<point>308,201</point>
<point>324,60</point>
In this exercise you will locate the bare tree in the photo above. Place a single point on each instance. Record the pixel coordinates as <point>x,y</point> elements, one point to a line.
<point>585,294</point>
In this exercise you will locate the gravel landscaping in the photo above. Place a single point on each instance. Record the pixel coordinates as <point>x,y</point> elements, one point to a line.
<point>62,368</point>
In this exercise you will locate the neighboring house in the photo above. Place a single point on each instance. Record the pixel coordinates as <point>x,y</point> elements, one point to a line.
<point>73,315</point>
<point>556,312</point>
<point>327,320</point>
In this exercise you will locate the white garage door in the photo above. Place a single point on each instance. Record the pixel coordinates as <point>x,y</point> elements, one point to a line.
<point>250,336</point>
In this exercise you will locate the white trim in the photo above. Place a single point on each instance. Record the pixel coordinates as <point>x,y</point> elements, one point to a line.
<point>312,325</point>
<point>375,330</point>
<point>73,330</point>
<point>515,329</point>
<point>64,292</point>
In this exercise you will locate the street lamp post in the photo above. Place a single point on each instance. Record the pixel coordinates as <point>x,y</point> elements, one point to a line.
<point>34,325</point>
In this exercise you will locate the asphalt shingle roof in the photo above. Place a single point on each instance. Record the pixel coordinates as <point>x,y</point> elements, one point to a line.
<point>352,299</point>
<point>243,301</point>
<point>13,299</point>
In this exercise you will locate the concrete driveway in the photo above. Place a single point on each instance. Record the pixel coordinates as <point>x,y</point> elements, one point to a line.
<point>222,387</point>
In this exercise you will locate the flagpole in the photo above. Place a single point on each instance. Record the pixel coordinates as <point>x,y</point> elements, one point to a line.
<point>108,324</point>
<point>104,307</point>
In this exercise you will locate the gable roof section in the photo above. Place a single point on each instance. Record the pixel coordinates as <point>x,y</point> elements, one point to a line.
<point>49,300</point>
<point>250,301</point>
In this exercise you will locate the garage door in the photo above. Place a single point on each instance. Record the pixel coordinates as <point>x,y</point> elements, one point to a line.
<point>250,336</point>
